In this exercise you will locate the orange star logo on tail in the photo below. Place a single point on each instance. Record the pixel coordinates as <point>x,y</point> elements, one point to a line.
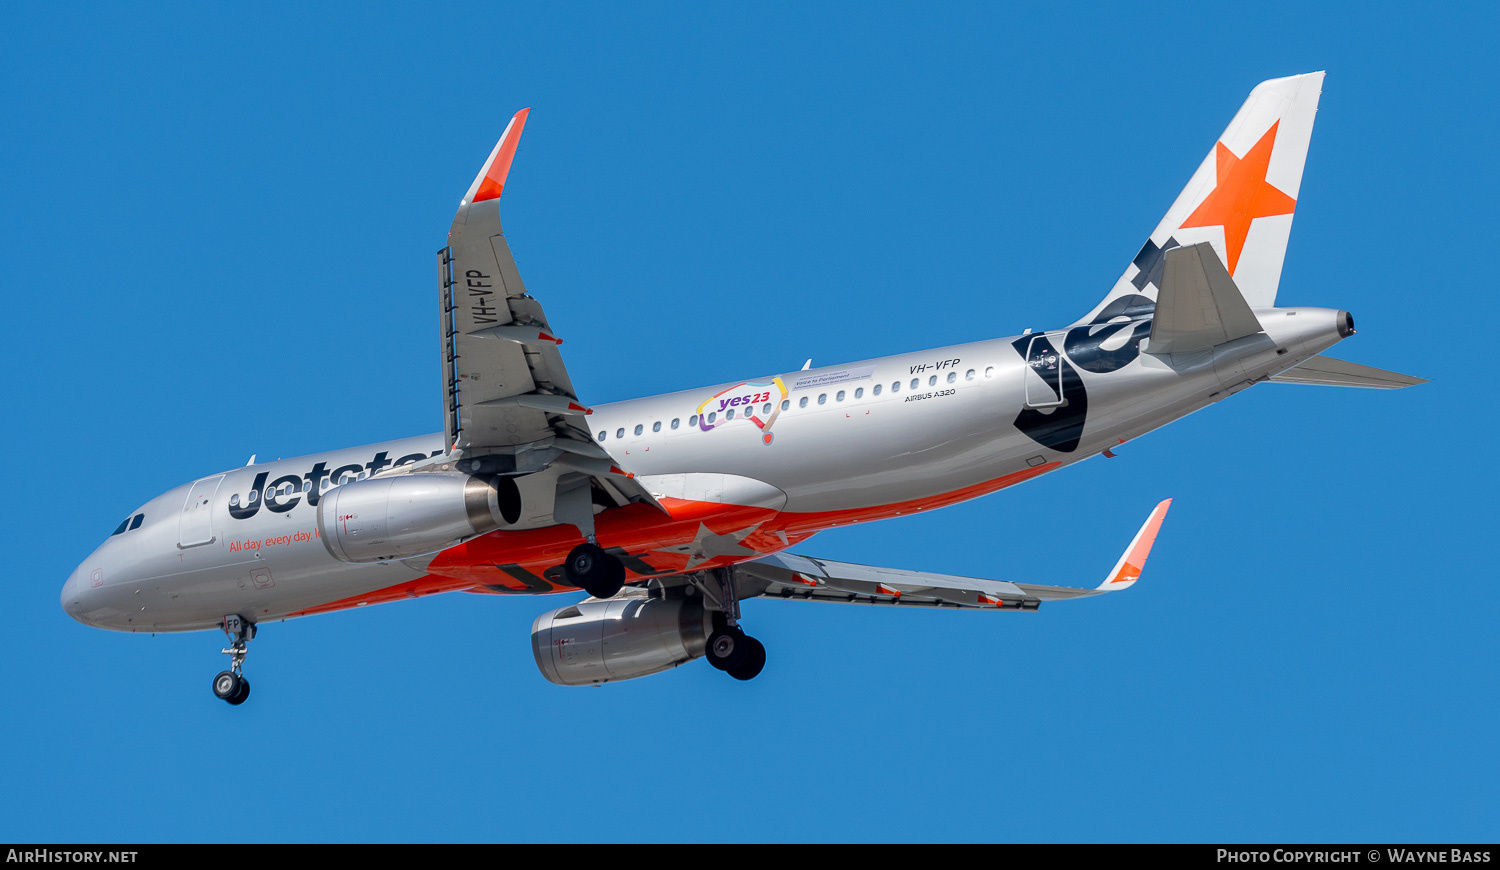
<point>1242,195</point>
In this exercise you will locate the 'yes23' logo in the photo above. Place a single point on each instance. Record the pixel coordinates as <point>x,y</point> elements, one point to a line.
<point>727,405</point>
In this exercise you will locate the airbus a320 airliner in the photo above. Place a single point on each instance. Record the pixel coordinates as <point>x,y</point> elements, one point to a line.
<point>670,511</point>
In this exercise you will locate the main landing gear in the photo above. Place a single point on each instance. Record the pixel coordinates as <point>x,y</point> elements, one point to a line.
<point>729,649</point>
<point>231,685</point>
<point>602,575</point>
<point>736,653</point>
<point>594,571</point>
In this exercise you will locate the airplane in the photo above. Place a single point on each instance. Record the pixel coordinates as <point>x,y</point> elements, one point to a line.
<point>672,510</point>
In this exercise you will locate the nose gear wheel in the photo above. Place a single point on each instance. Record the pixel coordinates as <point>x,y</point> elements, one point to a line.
<point>231,685</point>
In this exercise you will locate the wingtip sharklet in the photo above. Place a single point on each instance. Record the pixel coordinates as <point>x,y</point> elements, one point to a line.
<point>1133,560</point>
<point>490,182</point>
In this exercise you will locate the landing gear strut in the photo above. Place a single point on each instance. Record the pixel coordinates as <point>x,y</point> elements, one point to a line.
<point>594,571</point>
<point>729,649</point>
<point>231,685</point>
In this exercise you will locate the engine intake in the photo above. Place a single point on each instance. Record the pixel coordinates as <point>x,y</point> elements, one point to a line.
<point>411,515</point>
<point>619,639</point>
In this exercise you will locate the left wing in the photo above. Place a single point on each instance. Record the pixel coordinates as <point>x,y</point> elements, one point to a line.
<point>784,575</point>
<point>509,406</point>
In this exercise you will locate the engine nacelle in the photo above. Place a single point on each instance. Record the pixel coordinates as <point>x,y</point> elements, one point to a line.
<point>619,639</point>
<point>412,514</point>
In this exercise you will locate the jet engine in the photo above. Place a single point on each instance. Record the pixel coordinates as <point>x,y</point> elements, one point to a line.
<point>618,639</point>
<point>410,515</point>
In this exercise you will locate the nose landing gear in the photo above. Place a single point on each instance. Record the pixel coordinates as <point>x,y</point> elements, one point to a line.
<point>231,685</point>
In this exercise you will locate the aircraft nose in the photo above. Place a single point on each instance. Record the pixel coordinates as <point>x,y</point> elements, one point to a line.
<point>72,595</point>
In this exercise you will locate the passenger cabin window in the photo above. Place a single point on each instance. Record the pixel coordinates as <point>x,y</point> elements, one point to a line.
<point>693,420</point>
<point>676,421</point>
<point>859,392</point>
<point>712,416</point>
<point>729,415</point>
<point>915,382</point>
<point>620,432</point>
<point>896,387</point>
<point>656,427</point>
<point>802,402</point>
<point>786,403</point>
<point>822,398</point>
<point>952,376</point>
<point>602,433</point>
<point>932,381</point>
<point>989,372</point>
<point>876,391</point>
<point>766,408</point>
<point>839,397</point>
<point>969,375</point>
<point>136,523</point>
<point>639,428</point>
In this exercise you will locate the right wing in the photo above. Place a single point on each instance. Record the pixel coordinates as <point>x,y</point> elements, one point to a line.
<point>784,575</point>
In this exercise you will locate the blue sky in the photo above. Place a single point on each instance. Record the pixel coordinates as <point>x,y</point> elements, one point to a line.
<point>218,241</point>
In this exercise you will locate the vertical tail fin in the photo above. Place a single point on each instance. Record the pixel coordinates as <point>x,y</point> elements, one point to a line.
<point>1240,200</point>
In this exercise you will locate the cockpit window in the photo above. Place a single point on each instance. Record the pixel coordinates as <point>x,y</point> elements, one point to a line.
<point>128,524</point>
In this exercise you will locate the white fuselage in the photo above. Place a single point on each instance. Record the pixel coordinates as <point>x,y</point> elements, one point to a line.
<point>977,413</point>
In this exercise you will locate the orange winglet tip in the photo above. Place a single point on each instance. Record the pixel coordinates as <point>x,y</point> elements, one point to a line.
<point>574,406</point>
<point>490,182</point>
<point>552,338</point>
<point>1128,569</point>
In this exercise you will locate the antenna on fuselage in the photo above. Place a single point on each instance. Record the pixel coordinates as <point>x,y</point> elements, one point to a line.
<point>807,365</point>
<point>251,462</point>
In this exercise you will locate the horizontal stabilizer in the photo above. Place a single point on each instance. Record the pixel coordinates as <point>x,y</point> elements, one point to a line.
<point>1199,306</point>
<point>1329,372</point>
